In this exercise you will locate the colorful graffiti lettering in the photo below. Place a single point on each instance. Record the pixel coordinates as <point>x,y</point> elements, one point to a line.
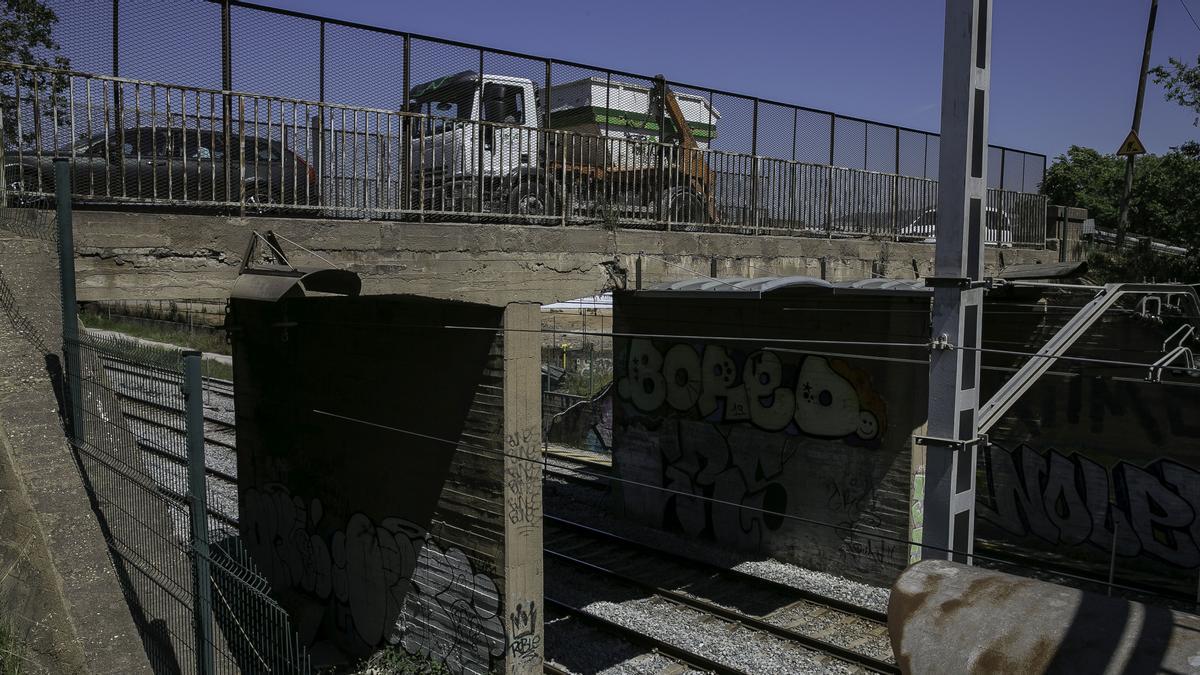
<point>386,583</point>
<point>1065,500</point>
<point>830,399</point>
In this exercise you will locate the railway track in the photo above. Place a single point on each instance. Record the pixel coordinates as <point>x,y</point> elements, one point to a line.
<point>154,416</point>
<point>685,659</point>
<point>851,634</point>
<point>846,633</point>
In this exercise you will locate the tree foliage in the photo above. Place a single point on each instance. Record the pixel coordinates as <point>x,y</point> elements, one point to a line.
<point>1165,202</point>
<point>26,36</point>
<point>1181,83</point>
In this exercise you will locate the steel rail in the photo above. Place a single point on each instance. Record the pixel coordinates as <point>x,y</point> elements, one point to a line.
<point>172,409</point>
<point>148,447</point>
<point>178,430</point>
<point>688,658</point>
<point>831,603</point>
<point>734,616</point>
<point>211,383</point>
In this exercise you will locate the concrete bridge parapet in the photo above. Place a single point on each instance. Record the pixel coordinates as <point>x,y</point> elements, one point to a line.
<point>128,255</point>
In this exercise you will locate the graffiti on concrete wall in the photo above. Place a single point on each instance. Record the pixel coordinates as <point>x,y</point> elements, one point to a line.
<point>1071,500</point>
<point>375,584</point>
<point>818,397</point>
<point>728,426</point>
<point>744,488</point>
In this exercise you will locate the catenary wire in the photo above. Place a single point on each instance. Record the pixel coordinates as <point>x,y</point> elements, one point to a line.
<point>542,461</point>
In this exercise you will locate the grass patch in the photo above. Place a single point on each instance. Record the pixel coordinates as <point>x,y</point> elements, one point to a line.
<point>205,341</point>
<point>202,338</point>
<point>12,651</point>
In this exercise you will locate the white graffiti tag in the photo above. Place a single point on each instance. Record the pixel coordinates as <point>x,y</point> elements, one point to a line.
<point>375,584</point>
<point>829,400</point>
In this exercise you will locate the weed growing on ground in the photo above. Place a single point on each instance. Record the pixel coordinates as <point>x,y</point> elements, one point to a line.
<point>12,651</point>
<point>203,339</point>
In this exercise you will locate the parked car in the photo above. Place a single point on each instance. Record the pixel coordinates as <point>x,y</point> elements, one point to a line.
<point>998,230</point>
<point>185,165</point>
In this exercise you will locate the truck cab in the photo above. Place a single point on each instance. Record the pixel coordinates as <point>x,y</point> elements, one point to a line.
<point>472,137</point>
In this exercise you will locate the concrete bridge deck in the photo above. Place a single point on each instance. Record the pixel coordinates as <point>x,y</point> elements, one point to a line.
<point>129,255</point>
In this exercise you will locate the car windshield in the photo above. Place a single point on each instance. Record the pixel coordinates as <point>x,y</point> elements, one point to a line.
<point>82,144</point>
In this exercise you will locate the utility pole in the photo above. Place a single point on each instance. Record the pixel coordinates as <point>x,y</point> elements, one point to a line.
<point>951,443</point>
<point>1123,218</point>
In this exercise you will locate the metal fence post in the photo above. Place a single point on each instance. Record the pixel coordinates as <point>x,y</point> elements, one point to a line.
<point>193,395</point>
<point>896,192</point>
<point>116,38</point>
<point>72,378</point>
<point>829,183</point>
<point>754,169</point>
<point>321,66</point>
<point>226,99</point>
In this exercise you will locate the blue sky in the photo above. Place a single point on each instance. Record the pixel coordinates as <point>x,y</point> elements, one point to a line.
<point>1063,71</point>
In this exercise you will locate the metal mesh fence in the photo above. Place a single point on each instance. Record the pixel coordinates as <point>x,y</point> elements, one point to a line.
<point>365,66</point>
<point>548,141</point>
<point>154,445</point>
<point>134,451</point>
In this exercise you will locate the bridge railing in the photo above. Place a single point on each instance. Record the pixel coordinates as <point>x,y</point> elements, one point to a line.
<point>164,146</point>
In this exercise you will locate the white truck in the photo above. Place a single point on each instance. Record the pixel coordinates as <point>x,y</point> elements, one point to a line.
<point>484,145</point>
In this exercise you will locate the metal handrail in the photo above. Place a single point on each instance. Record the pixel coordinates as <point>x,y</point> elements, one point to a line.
<point>343,160</point>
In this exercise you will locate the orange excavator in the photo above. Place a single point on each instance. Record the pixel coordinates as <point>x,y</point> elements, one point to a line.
<point>664,106</point>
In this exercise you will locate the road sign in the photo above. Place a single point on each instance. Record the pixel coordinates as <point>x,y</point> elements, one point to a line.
<point>1132,145</point>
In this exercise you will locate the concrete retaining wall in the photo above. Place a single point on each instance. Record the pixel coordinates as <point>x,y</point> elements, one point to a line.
<point>383,478</point>
<point>59,590</point>
<point>141,255</point>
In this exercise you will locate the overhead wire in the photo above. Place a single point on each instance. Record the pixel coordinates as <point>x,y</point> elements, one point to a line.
<point>542,460</point>
<point>1190,16</point>
<point>798,341</point>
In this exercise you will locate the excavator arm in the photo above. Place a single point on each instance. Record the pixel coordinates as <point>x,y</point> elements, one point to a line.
<point>664,105</point>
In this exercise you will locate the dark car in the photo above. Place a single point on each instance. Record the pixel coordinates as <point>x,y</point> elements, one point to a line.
<point>182,165</point>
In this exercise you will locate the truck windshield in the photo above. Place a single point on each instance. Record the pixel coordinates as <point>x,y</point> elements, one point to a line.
<point>445,105</point>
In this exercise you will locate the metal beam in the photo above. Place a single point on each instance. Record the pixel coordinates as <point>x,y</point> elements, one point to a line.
<point>949,513</point>
<point>1064,339</point>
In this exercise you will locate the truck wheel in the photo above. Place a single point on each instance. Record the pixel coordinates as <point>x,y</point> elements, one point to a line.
<point>531,200</point>
<point>23,187</point>
<point>681,205</point>
<point>259,201</point>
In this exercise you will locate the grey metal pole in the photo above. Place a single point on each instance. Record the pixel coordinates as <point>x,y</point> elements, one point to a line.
<point>72,376</point>
<point>1123,217</point>
<point>193,395</point>
<point>951,442</point>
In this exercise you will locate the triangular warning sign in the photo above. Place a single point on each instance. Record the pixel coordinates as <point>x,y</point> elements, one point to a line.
<point>1132,145</point>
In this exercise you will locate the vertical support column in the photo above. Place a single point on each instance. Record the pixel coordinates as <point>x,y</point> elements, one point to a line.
<point>70,308</point>
<point>949,513</point>
<point>523,607</point>
<point>193,396</point>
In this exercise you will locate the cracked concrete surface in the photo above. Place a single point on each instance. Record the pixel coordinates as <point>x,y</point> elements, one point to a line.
<point>178,256</point>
